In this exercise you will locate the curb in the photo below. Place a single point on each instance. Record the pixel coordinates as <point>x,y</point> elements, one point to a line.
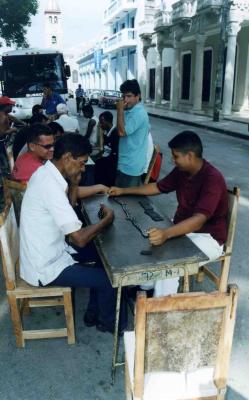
<point>199,125</point>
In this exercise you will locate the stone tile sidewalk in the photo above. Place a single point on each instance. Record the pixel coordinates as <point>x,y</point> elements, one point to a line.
<point>234,126</point>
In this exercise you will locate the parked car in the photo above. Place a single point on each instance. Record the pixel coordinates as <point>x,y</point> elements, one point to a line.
<point>87,94</point>
<point>94,96</point>
<point>109,98</point>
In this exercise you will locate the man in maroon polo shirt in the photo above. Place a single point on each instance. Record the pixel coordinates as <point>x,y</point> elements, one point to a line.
<point>202,200</point>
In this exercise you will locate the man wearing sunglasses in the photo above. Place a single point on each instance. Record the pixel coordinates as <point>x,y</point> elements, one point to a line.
<point>40,149</point>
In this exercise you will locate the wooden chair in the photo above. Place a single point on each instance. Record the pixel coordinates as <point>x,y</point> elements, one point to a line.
<point>222,279</point>
<point>16,191</point>
<point>152,163</point>
<point>21,295</point>
<point>181,346</point>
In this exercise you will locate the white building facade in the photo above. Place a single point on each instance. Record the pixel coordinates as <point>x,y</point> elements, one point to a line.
<point>93,67</point>
<point>119,55</point>
<point>54,40</point>
<point>53,26</point>
<point>182,55</point>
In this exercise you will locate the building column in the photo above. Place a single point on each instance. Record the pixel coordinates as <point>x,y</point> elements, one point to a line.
<point>232,31</point>
<point>198,83</point>
<point>176,78</point>
<point>106,79</point>
<point>159,72</point>
<point>146,87</point>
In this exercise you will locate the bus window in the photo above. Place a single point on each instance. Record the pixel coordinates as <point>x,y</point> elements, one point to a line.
<point>25,75</point>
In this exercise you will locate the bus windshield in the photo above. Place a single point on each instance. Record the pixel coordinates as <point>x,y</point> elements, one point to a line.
<point>25,75</point>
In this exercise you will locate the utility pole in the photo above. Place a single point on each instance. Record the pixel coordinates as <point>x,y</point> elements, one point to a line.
<point>220,61</point>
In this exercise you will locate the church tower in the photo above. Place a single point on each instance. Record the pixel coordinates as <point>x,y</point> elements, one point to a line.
<point>53,28</point>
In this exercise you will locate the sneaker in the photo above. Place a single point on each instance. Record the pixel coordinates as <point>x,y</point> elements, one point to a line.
<point>90,318</point>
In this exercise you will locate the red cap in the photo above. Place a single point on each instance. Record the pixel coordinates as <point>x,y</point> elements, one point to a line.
<point>6,101</point>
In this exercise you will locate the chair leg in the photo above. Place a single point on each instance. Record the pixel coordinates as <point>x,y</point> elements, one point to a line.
<point>200,276</point>
<point>186,283</point>
<point>16,320</point>
<point>225,266</point>
<point>25,307</point>
<point>128,390</point>
<point>221,395</point>
<point>69,317</point>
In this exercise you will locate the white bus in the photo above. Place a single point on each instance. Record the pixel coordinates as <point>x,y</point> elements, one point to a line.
<point>24,72</point>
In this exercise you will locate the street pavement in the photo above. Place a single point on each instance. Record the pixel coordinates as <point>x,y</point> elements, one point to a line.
<point>236,126</point>
<point>53,370</point>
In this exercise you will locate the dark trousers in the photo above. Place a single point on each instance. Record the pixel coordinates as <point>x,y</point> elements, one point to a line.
<point>78,101</point>
<point>102,300</point>
<point>123,180</point>
<point>105,170</point>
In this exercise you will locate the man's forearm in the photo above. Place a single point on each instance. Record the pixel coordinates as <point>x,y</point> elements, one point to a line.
<point>120,122</point>
<point>86,191</point>
<point>73,194</point>
<point>88,233</point>
<point>189,225</point>
<point>16,120</point>
<point>146,190</point>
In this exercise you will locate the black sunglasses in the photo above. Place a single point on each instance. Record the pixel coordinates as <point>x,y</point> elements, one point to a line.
<point>46,146</point>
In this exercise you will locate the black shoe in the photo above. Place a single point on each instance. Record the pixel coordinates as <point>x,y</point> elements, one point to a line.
<point>100,326</point>
<point>131,292</point>
<point>150,292</point>
<point>90,318</point>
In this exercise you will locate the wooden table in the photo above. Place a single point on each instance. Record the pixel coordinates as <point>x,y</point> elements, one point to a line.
<point>121,244</point>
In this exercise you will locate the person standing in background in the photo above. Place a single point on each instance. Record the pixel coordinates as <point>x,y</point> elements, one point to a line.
<point>79,94</point>
<point>133,129</point>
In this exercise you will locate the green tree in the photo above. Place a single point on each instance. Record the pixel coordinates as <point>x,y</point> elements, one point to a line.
<point>15,17</point>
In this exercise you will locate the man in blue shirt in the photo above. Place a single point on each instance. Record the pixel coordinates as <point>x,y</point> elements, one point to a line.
<point>133,128</point>
<point>79,94</point>
<point>50,100</point>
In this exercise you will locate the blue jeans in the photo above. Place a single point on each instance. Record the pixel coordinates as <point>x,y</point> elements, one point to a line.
<point>123,180</point>
<point>102,300</point>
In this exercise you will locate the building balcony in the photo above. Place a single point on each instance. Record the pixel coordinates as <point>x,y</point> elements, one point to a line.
<point>183,9</point>
<point>121,40</point>
<point>118,9</point>
<point>208,5</point>
<point>162,19</point>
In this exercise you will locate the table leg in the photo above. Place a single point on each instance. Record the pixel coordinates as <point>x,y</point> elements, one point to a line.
<point>115,345</point>
<point>186,282</point>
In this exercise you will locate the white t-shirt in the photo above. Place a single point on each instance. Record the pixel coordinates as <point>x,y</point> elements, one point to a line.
<point>94,135</point>
<point>69,124</point>
<point>149,152</point>
<point>46,217</point>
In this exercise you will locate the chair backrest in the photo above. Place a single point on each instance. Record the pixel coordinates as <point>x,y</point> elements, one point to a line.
<point>16,191</point>
<point>233,196</point>
<point>9,242</point>
<point>152,163</point>
<point>183,333</point>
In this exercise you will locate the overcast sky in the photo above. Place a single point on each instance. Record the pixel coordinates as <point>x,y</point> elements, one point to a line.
<point>82,21</point>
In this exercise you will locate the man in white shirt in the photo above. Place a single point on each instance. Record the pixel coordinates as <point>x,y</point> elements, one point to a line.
<point>69,124</point>
<point>47,217</point>
<point>92,132</point>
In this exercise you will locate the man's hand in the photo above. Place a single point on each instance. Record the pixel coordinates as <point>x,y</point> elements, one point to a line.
<point>108,214</point>
<point>88,233</point>
<point>120,105</point>
<point>157,236</point>
<point>115,191</point>
<point>102,189</point>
